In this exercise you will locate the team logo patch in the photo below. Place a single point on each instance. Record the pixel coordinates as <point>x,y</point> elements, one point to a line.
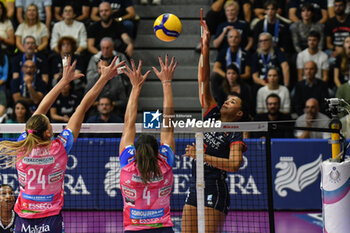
<point>129,192</point>
<point>210,199</point>
<point>54,177</point>
<point>151,120</point>
<point>164,191</point>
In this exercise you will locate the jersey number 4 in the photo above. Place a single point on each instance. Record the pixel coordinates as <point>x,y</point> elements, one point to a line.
<point>147,195</point>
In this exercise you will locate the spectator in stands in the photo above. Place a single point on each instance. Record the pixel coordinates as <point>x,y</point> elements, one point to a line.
<point>259,9</point>
<point>300,30</point>
<point>342,65</point>
<point>276,27</point>
<point>7,35</point>
<point>273,87</point>
<point>81,9</point>
<point>29,53</point>
<point>10,8</point>
<point>7,202</point>
<point>154,2</point>
<point>267,57</point>
<point>28,87</point>
<point>4,68</point>
<point>337,29</point>
<point>312,53</point>
<point>107,27</point>
<point>231,12</point>
<point>331,12</point>
<point>21,113</point>
<point>320,7</point>
<point>69,27</point>
<point>343,92</point>
<point>312,118</point>
<point>273,103</point>
<point>43,11</point>
<point>311,87</point>
<point>32,26</point>
<point>123,12</point>
<point>232,83</point>
<point>65,105</point>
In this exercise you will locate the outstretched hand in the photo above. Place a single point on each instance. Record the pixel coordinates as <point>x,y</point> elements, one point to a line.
<point>69,70</point>
<point>166,71</point>
<point>135,76</point>
<point>190,151</point>
<point>112,70</point>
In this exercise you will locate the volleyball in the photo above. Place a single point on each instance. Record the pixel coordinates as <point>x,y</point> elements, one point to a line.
<point>167,27</point>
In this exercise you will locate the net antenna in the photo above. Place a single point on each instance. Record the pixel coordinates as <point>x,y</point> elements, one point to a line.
<point>199,152</point>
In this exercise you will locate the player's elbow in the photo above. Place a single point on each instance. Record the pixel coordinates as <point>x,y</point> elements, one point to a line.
<point>234,165</point>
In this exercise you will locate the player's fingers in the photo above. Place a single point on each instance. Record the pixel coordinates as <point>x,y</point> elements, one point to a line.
<point>140,65</point>
<point>174,67</point>
<point>133,65</point>
<point>160,61</point>
<point>166,60</point>
<point>172,62</point>
<point>145,75</point>
<point>155,70</point>
<point>114,61</point>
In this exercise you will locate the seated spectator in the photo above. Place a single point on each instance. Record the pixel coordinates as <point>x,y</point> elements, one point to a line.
<point>320,6</point>
<point>232,83</point>
<point>81,9</point>
<point>259,9</point>
<point>337,29</point>
<point>33,27</point>
<point>65,105</point>
<point>300,30</point>
<point>273,103</point>
<point>66,46</point>
<point>312,53</point>
<point>267,57</point>
<point>10,8</point>
<point>107,27</point>
<point>343,92</point>
<point>312,118</point>
<point>4,69</point>
<point>123,12</point>
<point>7,202</point>
<point>232,55</point>
<point>29,53</point>
<point>43,9</point>
<point>21,113</point>
<point>7,35</point>
<point>69,27</point>
<point>273,87</point>
<point>231,12</point>
<point>342,65</point>
<point>276,27</point>
<point>311,87</point>
<point>28,87</point>
<point>331,12</point>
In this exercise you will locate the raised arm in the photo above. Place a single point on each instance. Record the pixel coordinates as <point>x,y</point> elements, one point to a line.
<point>208,99</point>
<point>165,76</point>
<point>137,80</point>
<point>68,76</point>
<point>107,73</point>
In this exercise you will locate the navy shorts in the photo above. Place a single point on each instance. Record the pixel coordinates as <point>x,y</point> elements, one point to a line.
<point>155,230</point>
<point>216,195</point>
<point>52,224</point>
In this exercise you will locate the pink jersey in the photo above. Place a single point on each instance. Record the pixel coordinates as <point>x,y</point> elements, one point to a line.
<point>41,176</point>
<point>146,206</point>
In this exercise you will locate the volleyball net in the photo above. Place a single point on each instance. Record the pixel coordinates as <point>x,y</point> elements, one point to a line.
<point>93,199</point>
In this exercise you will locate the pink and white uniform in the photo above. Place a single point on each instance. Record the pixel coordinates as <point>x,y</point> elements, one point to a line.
<point>146,206</point>
<point>41,176</point>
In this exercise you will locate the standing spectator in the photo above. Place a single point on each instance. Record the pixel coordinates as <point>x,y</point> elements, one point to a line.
<point>313,54</point>
<point>69,27</point>
<point>273,87</point>
<point>276,27</point>
<point>7,35</point>
<point>267,57</point>
<point>4,68</point>
<point>320,6</point>
<point>342,65</point>
<point>123,12</point>
<point>33,27</point>
<point>301,29</point>
<point>312,118</point>
<point>107,27</point>
<point>21,113</point>
<point>311,87</point>
<point>81,9</point>
<point>337,29</point>
<point>29,53</point>
<point>7,201</point>
<point>231,12</point>
<point>28,87</point>
<point>43,9</point>
<point>10,8</point>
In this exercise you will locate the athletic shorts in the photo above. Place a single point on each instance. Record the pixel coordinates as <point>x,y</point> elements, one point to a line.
<point>52,224</point>
<point>216,195</point>
<point>155,230</point>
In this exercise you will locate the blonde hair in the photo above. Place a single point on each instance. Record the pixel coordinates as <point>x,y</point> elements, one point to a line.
<point>37,21</point>
<point>35,128</point>
<point>231,3</point>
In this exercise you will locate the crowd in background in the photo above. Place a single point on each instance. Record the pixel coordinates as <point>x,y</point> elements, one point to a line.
<point>282,57</point>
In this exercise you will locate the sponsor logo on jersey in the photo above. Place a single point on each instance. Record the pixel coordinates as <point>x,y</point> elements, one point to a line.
<point>146,214</point>
<point>22,177</point>
<point>138,179</point>
<point>128,191</point>
<point>39,206</point>
<point>35,228</point>
<point>164,191</point>
<point>39,161</point>
<point>38,198</point>
<point>129,201</point>
<point>54,177</point>
<point>210,199</point>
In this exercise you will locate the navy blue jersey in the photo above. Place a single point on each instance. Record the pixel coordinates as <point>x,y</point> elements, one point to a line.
<point>225,58</point>
<point>217,144</point>
<point>241,26</point>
